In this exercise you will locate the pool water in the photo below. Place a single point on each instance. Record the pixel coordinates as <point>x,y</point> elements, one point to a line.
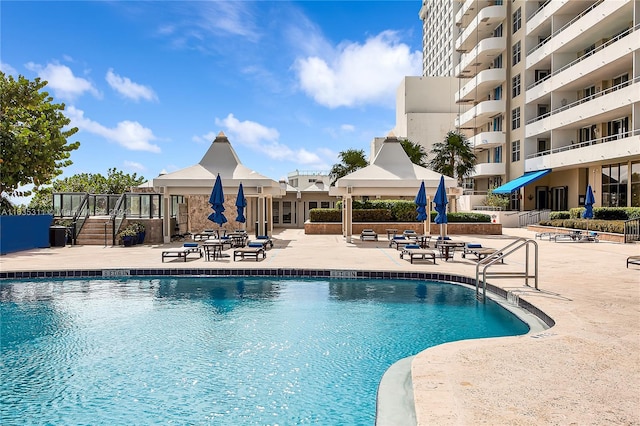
<point>223,351</point>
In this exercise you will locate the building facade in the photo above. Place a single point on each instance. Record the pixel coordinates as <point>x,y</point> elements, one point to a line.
<point>439,32</point>
<point>552,87</point>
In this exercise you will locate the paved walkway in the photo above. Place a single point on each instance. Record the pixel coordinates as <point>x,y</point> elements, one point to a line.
<point>583,370</point>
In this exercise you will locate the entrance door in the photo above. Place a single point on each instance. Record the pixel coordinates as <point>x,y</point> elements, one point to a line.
<point>286,212</point>
<point>542,197</point>
<point>559,198</point>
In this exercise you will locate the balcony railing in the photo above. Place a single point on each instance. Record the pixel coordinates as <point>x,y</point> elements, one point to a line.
<point>585,56</point>
<point>602,140</point>
<point>565,26</point>
<point>535,12</point>
<point>583,100</point>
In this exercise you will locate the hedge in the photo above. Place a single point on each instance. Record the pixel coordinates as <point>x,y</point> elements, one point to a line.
<point>606,213</point>
<point>613,226</point>
<point>402,214</point>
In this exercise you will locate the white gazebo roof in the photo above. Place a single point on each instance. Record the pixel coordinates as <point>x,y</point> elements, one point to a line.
<point>221,159</point>
<point>391,173</point>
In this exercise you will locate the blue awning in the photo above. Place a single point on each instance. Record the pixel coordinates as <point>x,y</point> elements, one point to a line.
<point>518,183</point>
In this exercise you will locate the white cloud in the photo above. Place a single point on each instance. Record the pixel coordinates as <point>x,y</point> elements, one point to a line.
<point>359,74</point>
<point>347,128</point>
<point>62,82</point>
<point>129,134</point>
<point>266,141</point>
<point>208,137</point>
<point>128,88</point>
<point>134,165</point>
<point>7,69</point>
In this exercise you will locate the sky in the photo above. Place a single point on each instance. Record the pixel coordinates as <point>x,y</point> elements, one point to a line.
<point>149,84</point>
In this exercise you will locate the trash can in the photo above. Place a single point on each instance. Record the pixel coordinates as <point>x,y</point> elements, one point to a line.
<point>57,236</point>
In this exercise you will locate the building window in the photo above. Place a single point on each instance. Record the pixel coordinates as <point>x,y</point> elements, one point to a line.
<point>515,151</point>
<point>516,53</point>
<point>515,118</point>
<point>497,93</point>
<point>324,204</point>
<point>498,31</point>
<point>497,154</point>
<point>515,86</point>
<point>517,20</point>
<point>620,82</point>
<point>635,184</point>
<point>615,178</point>
<point>497,62</point>
<point>497,123</point>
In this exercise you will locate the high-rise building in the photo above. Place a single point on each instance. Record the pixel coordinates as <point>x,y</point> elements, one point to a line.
<point>438,35</point>
<point>553,95</point>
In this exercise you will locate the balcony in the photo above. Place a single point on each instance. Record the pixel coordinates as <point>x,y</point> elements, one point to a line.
<point>481,27</point>
<point>480,56</point>
<point>469,10</point>
<point>488,169</point>
<point>480,86</point>
<point>480,114</point>
<point>598,20</point>
<point>487,140</point>
<point>603,106</point>
<point>611,148</point>
<point>618,48</point>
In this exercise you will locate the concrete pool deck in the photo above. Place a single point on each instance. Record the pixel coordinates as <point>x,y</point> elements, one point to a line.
<point>583,370</point>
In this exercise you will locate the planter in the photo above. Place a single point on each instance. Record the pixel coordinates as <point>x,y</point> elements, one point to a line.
<point>141,236</point>
<point>129,240</point>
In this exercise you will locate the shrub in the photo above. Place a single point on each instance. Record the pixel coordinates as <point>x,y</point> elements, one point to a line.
<point>468,217</point>
<point>613,226</point>
<point>372,215</point>
<point>559,215</point>
<point>325,215</point>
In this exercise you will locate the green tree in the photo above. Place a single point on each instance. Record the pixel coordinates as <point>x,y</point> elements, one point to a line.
<point>33,135</point>
<point>415,152</point>
<point>453,156</point>
<point>350,161</point>
<point>116,182</point>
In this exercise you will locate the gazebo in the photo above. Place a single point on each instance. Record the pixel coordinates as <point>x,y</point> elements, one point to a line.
<point>390,174</point>
<point>196,183</point>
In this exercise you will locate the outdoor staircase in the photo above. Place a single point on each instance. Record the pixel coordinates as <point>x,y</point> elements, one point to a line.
<point>93,231</point>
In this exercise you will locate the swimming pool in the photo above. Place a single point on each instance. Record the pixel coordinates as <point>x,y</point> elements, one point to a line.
<point>220,350</point>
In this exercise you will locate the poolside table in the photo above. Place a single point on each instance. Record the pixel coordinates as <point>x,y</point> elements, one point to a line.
<point>448,247</point>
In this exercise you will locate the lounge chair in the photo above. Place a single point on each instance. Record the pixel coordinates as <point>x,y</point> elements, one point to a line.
<point>399,242</point>
<point>265,237</point>
<point>249,252</point>
<point>368,234</point>
<point>258,243</point>
<point>634,260</point>
<point>478,251</point>
<point>182,252</point>
<point>409,233</point>
<point>415,252</point>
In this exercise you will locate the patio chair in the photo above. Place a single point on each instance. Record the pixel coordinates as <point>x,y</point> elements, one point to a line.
<point>633,260</point>
<point>476,249</point>
<point>182,252</point>
<point>415,252</point>
<point>400,241</point>
<point>267,238</point>
<point>368,234</point>
<point>254,252</point>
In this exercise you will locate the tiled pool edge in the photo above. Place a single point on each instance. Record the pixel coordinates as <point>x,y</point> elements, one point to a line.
<point>273,272</point>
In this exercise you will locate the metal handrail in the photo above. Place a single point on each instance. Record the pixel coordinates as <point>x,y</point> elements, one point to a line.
<point>118,215</point>
<point>632,230</point>
<point>79,219</point>
<point>499,256</point>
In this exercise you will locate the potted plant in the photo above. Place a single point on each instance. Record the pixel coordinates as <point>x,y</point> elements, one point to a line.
<point>128,236</point>
<point>140,229</point>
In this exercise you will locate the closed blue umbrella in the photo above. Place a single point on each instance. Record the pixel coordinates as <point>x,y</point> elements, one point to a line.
<point>421,202</point>
<point>589,201</point>
<point>440,200</point>
<point>241,203</point>
<point>217,203</point>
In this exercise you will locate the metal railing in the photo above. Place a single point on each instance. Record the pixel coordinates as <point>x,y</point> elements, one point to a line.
<point>532,217</point>
<point>118,215</point>
<point>585,99</point>
<point>565,26</point>
<point>632,230</point>
<point>499,256</point>
<point>597,141</point>
<point>585,56</point>
<point>535,12</point>
<point>79,218</point>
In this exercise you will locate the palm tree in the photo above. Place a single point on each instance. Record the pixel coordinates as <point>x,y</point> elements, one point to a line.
<point>415,152</point>
<point>453,156</point>
<point>350,161</point>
